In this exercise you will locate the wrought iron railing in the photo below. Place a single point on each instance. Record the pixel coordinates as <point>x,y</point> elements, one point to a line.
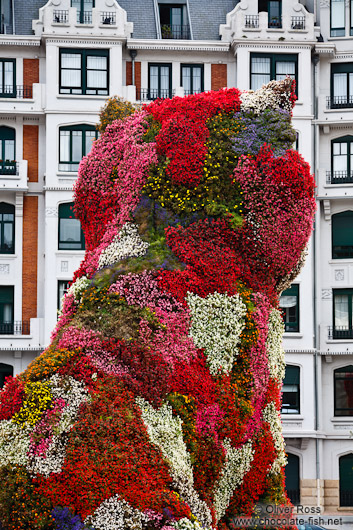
<point>9,167</point>
<point>60,16</point>
<point>19,91</point>
<point>149,94</point>
<point>339,332</point>
<point>339,177</point>
<point>191,92</point>
<point>108,18</point>
<point>251,21</point>
<point>16,327</point>
<point>84,17</point>
<point>297,23</point>
<point>339,102</point>
<point>172,31</point>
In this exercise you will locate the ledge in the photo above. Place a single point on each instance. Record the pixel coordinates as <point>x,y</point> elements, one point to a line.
<point>179,45</point>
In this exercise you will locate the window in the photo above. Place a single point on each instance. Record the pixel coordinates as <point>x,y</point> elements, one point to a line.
<point>292,478</point>
<point>84,72</point>
<point>264,68</point>
<point>70,233</point>
<point>342,314</point>
<point>290,390</point>
<point>342,160</point>
<point>173,19</point>
<point>274,10</point>
<point>7,228</point>
<point>346,480</point>
<point>338,12</point>
<point>6,310</point>
<point>343,380</point>
<point>84,10</point>
<point>63,286</point>
<point>289,306</point>
<point>75,142</point>
<point>7,151</point>
<point>6,370</point>
<point>160,81</point>
<point>192,78</point>
<point>7,78</point>
<point>341,85</point>
<point>342,235</point>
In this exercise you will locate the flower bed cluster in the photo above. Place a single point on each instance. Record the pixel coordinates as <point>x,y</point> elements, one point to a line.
<point>156,405</point>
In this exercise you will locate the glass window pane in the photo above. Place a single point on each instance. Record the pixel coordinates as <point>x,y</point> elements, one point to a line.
<point>76,146</point>
<point>1,75</point>
<point>71,78</point>
<point>337,13</point>
<point>90,137</point>
<point>340,163</point>
<point>7,313</point>
<point>261,65</point>
<point>70,230</point>
<point>351,86</point>
<point>176,16</point>
<point>340,84</point>
<point>341,311</point>
<point>154,78</point>
<point>8,75</point>
<point>97,78</point>
<point>165,78</point>
<point>96,62</point>
<point>284,68</point>
<point>8,239</point>
<point>71,60</point>
<point>64,146</point>
<point>196,79</point>
<point>186,79</point>
<point>9,150</point>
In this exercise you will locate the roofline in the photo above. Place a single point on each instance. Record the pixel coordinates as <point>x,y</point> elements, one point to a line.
<point>19,40</point>
<point>178,45</point>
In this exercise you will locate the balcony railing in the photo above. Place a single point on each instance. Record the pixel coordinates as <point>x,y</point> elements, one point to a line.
<point>297,23</point>
<point>339,177</point>
<point>339,332</point>
<point>251,21</point>
<point>192,92</point>
<point>84,17</point>
<point>17,327</point>
<point>172,31</point>
<point>149,94</point>
<point>108,18</point>
<point>339,102</point>
<point>9,167</point>
<point>60,16</point>
<point>274,22</point>
<point>346,498</point>
<point>294,496</point>
<point>19,91</point>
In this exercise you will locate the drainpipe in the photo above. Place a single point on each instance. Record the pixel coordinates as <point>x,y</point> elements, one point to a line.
<point>13,17</point>
<point>133,54</point>
<point>316,59</point>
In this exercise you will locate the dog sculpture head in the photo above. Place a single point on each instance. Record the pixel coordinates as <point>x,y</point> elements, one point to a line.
<point>156,406</point>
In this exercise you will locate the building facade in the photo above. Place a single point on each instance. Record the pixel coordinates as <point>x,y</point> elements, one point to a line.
<point>60,61</point>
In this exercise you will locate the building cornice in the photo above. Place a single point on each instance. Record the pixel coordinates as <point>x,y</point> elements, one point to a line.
<point>254,44</point>
<point>19,40</point>
<point>325,48</point>
<point>177,45</point>
<point>320,352</point>
<point>81,40</point>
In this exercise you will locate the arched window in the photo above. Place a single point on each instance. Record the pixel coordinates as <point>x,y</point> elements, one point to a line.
<point>6,370</point>
<point>7,151</point>
<point>343,381</point>
<point>342,235</point>
<point>342,159</point>
<point>7,228</point>
<point>75,142</point>
<point>291,390</point>
<point>292,478</point>
<point>346,480</point>
<point>70,233</point>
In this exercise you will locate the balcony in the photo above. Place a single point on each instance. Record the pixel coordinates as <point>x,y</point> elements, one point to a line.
<point>150,94</point>
<point>251,21</point>
<point>60,16</point>
<point>18,92</point>
<point>108,18</point>
<point>84,17</point>
<point>275,22</point>
<point>22,99</point>
<point>339,102</point>
<point>13,175</point>
<point>171,31</point>
<point>339,333</point>
<point>339,177</point>
<point>8,167</point>
<point>17,327</point>
<point>297,23</point>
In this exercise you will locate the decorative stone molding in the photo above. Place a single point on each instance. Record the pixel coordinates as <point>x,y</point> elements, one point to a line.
<point>19,204</point>
<point>339,275</point>
<point>327,209</point>
<point>326,294</point>
<point>4,268</point>
<point>51,211</point>
<point>193,46</point>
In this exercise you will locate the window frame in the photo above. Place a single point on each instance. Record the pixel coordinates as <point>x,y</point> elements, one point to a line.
<point>7,328</point>
<point>84,55</point>
<point>159,66</point>
<point>342,490</point>
<point>59,298</point>
<point>13,93</point>
<point>345,369</point>
<point>81,12</point>
<point>337,334</point>
<point>192,66</point>
<point>6,370</point>
<point>11,210</point>
<point>341,68</point>
<point>7,166</point>
<point>71,128</point>
<point>293,290</point>
<point>348,139</point>
<point>63,206</point>
<point>289,410</point>
<point>274,59</point>
<point>337,254</point>
<point>341,30</point>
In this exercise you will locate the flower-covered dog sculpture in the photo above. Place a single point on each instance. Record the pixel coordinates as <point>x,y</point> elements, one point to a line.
<point>156,406</point>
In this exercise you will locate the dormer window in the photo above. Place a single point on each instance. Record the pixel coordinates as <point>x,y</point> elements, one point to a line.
<point>174,22</point>
<point>274,10</point>
<point>84,10</point>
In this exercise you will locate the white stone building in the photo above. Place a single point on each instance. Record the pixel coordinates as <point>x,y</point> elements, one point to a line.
<point>59,62</point>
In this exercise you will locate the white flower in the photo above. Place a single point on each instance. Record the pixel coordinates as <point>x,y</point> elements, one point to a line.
<point>274,95</point>
<point>274,345</point>
<point>186,524</point>
<point>14,443</point>
<point>217,322</point>
<point>272,416</point>
<point>116,514</point>
<point>78,287</point>
<point>237,464</point>
<point>126,244</point>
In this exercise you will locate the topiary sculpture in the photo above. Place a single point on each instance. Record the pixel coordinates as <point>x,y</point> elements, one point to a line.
<point>157,403</point>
